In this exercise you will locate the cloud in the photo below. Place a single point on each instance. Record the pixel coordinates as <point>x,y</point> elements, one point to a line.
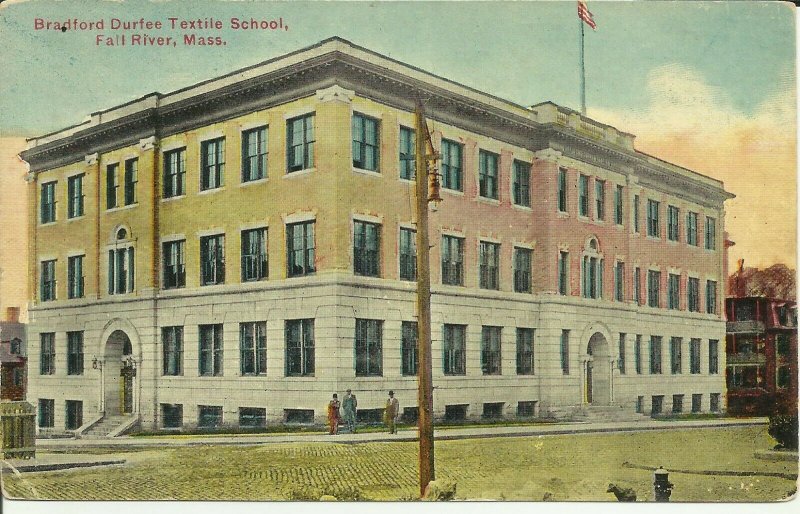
<point>694,124</point>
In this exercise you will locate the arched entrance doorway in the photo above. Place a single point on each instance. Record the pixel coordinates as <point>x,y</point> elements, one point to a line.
<point>119,373</point>
<point>598,371</point>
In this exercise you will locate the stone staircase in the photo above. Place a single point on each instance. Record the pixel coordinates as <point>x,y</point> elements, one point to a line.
<point>606,414</point>
<point>107,426</point>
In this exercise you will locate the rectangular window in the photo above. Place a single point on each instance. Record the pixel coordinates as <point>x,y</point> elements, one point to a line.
<point>212,260</point>
<point>711,233</point>
<point>172,344</point>
<point>47,410</point>
<point>452,165</point>
<point>693,295</point>
<point>121,270</point>
<point>563,268</point>
<point>636,214</point>
<point>171,415</point>
<point>47,353</point>
<point>655,355</point>
<point>713,356</point>
<point>253,348</point>
<point>677,403</point>
<point>366,142</point>
<point>490,350</point>
<point>711,297</point>
<point>75,196</point>
<point>522,270</point>
<point>637,285</point>
<point>565,352</point>
<point>252,417</point>
<point>112,185</point>
<point>639,404</point>
<point>408,152</point>
<point>521,183</point>
<point>675,356</point>
<point>783,377</point>
<point>254,154</point>
<point>637,354</point>
<point>583,195</point>
<point>674,292</point>
<point>454,349</point>
<point>619,282</point>
<point>452,260</point>
<point>562,190</point>
<point>525,362</point>
<point>714,402</point>
<point>656,405</point>
<point>47,212</point>
<point>254,255</point>
<point>209,416</point>
<point>673,217</point>
<point>300,249</point>
<point>408,348</point>
<point>210,351</point>
<point>694,356</point>
<point>691,228</point>
<point>300,143</point>
<point>408,254</point>
<point>174,264</point>
<point>212,165</point>
<point>174,172</point>
<point>299,348</point>
<point>621,357</point>
<point>487,174</point>
<point>74,353</point>
<point>74,414</point>
<point>526,409</point>
<point>366,249</point>
<point>369,348</point>
<point>618,214</point>
<point>653,288</point>
<point>489,260</point>
<point>653,223</point>
<point>600,199</point>
<point>48,281</point>
<point>697,403</point>
<point>131,179</point>
<point>783,345</point>
<point>75,276</point>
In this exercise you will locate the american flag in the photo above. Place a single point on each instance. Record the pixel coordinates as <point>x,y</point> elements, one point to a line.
<point>585,14</point>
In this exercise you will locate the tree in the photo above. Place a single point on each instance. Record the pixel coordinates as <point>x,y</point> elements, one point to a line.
<point>776,281</point>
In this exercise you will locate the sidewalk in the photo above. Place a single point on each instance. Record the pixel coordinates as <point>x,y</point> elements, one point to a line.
<point>442,434</point>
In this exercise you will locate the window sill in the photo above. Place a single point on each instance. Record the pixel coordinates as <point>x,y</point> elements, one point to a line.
<point>299,173</point>
<point>173,198</point>
<point>488,201</point>
<point>49,223</point>
<point>654,238</point>
<point>524,208</point>
<point>369,173</point>
<point>409,181</point>
<point>76,218</point>
<point>123,208</point>
<point>253,182</point>
<point>454,192</point>
<point>562,215</point>
<point>211,190</point>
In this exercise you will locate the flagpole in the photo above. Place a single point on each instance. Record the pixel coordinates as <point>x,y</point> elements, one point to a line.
<point>583,73</point>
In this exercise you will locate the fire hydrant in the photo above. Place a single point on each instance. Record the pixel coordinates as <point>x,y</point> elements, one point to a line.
<point>662,487</point>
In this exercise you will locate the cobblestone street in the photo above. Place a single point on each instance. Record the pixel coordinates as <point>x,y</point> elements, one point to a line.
<point>568,467</point>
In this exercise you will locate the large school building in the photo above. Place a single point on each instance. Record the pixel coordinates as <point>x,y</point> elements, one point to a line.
<point>234,252</point>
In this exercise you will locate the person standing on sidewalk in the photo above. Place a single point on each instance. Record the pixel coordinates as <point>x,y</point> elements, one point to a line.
<point>391,412</point>
<point>349,405</point>
<point>333,415</point>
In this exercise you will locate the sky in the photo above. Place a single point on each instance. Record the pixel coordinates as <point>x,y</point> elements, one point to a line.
<point>706,85</point>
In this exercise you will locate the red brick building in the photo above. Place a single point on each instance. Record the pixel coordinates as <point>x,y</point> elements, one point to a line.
<point>761,347</point>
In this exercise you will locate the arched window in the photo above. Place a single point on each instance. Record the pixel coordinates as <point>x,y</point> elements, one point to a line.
<point>121,258</point>
<point>592,270</point>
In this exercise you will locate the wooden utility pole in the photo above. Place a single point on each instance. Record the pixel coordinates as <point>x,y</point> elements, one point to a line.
<point>424,154</point>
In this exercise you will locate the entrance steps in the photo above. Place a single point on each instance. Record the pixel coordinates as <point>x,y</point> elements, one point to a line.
<point>109,426</point>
